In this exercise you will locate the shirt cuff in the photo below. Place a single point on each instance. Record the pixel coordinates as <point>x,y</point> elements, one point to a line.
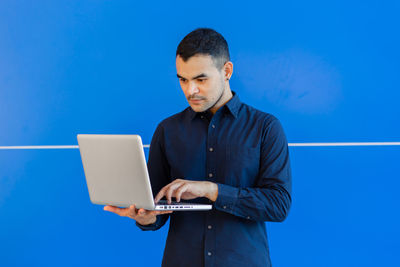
<point>149,226</point>
<point>227,198</point>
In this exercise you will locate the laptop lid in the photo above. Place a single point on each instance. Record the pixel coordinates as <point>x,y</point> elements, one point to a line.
<point>115,170</point>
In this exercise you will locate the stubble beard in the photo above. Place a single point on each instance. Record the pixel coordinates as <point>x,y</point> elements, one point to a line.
<point>219,98</point>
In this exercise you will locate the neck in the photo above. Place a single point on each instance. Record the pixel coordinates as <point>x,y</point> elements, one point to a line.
<point>225,97</point>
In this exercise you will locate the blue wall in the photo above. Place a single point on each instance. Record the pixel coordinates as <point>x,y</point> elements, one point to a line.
<point>328,70</point>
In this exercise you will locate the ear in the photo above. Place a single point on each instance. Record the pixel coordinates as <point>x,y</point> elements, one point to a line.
<point>228,70</point>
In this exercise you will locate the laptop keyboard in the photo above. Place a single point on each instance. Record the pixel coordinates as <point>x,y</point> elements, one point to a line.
<point>174,205</point>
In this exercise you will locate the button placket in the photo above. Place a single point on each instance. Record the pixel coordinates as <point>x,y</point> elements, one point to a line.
<point>210,156</point>
<point>209,239</point>
<point>209,224</point>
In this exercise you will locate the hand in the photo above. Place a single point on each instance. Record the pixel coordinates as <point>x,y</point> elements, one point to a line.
<point>142,216</point>
<point>187,189</point>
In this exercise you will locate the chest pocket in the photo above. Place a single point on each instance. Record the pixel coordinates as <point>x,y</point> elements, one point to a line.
<point>242,165</point>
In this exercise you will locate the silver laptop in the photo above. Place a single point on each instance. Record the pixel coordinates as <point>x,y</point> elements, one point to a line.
<point>116,173</point>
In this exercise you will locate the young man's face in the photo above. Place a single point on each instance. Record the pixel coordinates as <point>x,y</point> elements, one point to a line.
<point>202,83</point>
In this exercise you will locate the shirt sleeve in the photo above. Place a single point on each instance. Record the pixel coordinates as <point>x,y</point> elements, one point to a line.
<point>270,199</point>
<point>159,171</point>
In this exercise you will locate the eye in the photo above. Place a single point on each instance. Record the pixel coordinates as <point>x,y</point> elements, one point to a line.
<point>182,80</point>
<point>201,80</point>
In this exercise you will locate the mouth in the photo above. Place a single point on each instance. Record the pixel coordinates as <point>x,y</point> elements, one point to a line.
<point>195,101</point>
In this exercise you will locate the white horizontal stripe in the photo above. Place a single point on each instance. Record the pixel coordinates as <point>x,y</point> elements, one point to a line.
<point>290,144</point>
<point>348,144</point>
<point>38,147</point>
<point>44,147</point>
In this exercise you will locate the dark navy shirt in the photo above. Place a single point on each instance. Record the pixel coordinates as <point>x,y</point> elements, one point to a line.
<point>245,152</point>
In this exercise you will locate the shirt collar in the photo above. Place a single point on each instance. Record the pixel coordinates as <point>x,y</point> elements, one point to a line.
<point>232,106</point>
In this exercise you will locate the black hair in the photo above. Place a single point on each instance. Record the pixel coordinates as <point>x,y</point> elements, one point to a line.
<point>204,41</point>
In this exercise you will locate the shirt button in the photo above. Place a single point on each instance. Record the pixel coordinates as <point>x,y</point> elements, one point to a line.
<point>202,117</point>
<point>209,227</point>
<point>224,207</point>
<point>248,217</point>
<point>211,149</point>
<point>209,253</point>
<point>213,126</point>
<point>210,175</point>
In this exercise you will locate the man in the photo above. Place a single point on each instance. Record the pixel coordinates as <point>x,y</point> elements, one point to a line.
<point>220,151</point>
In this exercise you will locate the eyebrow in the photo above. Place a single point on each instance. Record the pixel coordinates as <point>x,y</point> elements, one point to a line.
<point>202,75</point>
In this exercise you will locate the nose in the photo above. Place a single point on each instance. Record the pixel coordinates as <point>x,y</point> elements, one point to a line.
<point>193,89</point>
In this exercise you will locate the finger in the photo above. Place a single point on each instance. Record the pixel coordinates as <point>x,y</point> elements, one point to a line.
<point>132,211</point>
<point>109,208</point>
<point>171,190</point>
<point>161,194</point>
<point>144,212</point>
<point>141,212</point>
<point>116,210</point>
<point>180,191</point>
